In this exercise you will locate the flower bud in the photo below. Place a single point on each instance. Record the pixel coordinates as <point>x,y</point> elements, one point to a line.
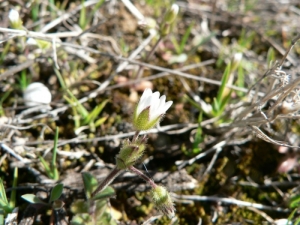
<point>237,58</point>
<point>150,110</point>
<point>171,14</point>
<point>130,153</point>
<point>148,23</point>
<point>168,20</point>
<point>162,201</point>
<point>14,19</point>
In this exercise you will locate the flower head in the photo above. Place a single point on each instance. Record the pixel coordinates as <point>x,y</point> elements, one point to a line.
<point>37,94</point>
<point>150,110</point>
<point>14,19</point>
<point>31,41</point>
<point>163,201</point>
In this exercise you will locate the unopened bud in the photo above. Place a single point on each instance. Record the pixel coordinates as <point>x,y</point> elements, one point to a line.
<point>148,23</point>
<point>130,153</point>
<point>171,14</point>
<point>14,19</point>
<point>236,60</point>
<point>168,20</point>
<point>163,201</point>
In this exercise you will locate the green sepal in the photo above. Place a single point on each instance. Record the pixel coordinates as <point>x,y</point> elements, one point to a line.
<point>129,154</point>
<point>142,121</point>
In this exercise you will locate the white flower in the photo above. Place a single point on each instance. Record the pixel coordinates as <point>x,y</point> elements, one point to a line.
<point>283,222</point>
<point>37,94</point>
<point>31,41</point>
<point>14,19</point>
<point>150,110</point>
<point>13,16</point>
<point>175,9</point>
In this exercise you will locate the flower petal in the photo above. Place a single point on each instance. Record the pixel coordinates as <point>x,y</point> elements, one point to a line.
<point>13,16</point>
<point>167,106</point>
<point>145,100</point>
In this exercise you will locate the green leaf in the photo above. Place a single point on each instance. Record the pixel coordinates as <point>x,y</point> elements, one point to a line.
<point>270,56</point>
<point>73,101</point>
<point>175,44</point>
<point>12,201</point>
<point>53,167</point>
<point>46,167</point>
<point>3,198</point>
<point>198,136</point>
<point>32,199</point>
<point>56,192</point>
<point>215,107</point>
<point>2,203</point>
<point>291,216</point>
<point>223,83</point>
<point>60,79</point>
<point>100,121</point>
<point>82,18</point>
<point>185,37</point>
<point>192,102</point>
<point>225,100</point>
<point>4,50</point>
<point>90,184</point>
<point>295,201</point>
<point>106,193</point>
<point>95,113</point>
<point>246,38</point>
<point>1,216</point>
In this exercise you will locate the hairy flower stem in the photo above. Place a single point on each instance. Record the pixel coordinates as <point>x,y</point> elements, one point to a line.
<point>143,176</point>
<point>115,171</point>
<point>107,181</point>
<point>136,135</point>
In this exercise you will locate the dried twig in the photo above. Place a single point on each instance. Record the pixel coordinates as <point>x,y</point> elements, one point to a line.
<point>228,201</point>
